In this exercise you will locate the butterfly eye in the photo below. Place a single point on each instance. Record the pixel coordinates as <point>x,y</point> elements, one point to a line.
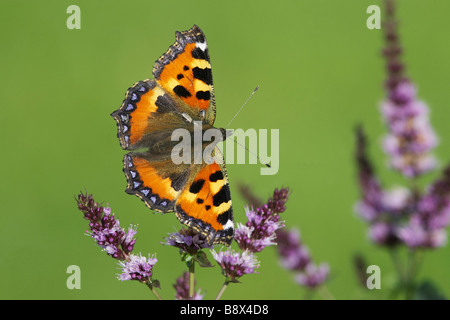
<point>202,113</point>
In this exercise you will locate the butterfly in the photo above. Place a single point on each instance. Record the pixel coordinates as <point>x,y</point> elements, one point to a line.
<point>180,96</point>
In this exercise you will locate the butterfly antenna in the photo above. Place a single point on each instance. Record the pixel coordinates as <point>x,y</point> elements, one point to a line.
<point>264,163</point>
<point>256,89</point>
<point>251,95</point>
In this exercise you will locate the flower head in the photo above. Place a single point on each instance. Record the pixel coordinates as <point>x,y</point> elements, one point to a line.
<point>190,244</point>
<point>235,264</point>
<point>259,231</point>
<point>187,240</point>
<point>137,268</point>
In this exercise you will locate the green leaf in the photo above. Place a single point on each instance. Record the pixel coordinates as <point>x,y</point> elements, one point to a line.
<point>202,259</point>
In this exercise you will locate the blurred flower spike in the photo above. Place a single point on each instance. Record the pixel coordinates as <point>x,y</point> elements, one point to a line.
<point>403,215</point>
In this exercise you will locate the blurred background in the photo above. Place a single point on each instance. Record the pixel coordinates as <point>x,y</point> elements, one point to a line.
<point>320,72</point>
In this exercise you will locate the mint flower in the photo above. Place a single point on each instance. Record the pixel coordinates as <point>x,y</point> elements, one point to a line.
<point>137,268</point>
<point>235,264</point>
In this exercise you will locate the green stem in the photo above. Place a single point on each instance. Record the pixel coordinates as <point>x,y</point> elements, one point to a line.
<point>397,263</point>
<point>401,274</point>
<point>191,278</point>
<point>225,285</point>
<point>308,294</point>
<point>414,262</point>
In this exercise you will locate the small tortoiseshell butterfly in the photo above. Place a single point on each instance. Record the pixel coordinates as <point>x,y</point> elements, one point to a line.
<point>181,93</point>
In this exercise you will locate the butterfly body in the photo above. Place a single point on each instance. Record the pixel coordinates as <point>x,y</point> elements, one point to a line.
<point>180,98</point>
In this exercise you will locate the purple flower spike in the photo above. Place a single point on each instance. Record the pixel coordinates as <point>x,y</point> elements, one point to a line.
<point>105,229</point>
<point>182,289</point>
<point>235,264</point>
<point>410,139</point>
<point>277,203</point>
<point>137,268</point>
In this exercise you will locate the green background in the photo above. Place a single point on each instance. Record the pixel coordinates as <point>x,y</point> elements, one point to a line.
<point>320,72</point>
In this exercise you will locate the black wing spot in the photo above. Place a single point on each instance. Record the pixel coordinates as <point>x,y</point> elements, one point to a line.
<point>222,196</point>
<point>218,175</point>
<point>204,75</point>
<point>181,91</point>
<point>197,186</point>
<point>203,95</point>
<point>224,217</point>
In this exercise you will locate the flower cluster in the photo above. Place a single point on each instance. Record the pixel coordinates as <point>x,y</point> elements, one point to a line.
<point>262,223</point>
<point>182,289</point>
<point>190,244</point>
<point>426,226</point>
<point>294,256</point>
<point>259,231</point>
<point>410,138</point>
<point>105,229</point>
<point>137,268</point>
<point>235,264</point>
<point>188,240</point>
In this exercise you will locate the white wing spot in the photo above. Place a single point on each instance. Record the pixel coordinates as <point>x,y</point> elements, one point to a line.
<point>201,45</point>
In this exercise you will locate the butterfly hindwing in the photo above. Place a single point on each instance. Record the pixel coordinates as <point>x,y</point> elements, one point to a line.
<point>185,72</point>
<point>205,204</point>
<point>157,182</point>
